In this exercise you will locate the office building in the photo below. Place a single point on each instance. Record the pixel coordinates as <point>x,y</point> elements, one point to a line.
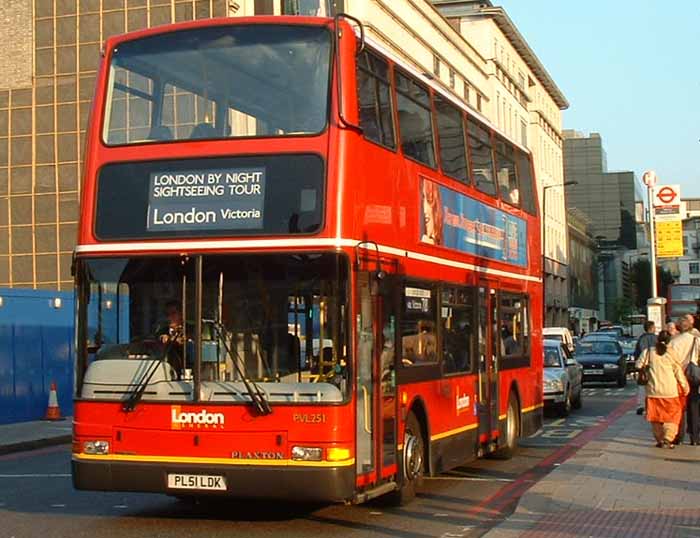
<point>607,198</point>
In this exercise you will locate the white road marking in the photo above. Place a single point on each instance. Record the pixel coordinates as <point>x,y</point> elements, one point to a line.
<point>49,475</point>
<point>468,478</point>
<point>441,514</point>
<point>375,513</point>
<point>120,506</point>
<point>58,506</point>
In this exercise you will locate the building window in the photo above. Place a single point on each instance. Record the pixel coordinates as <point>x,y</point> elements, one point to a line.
<point>695,281</point>
<point>694,268</point>
<point>466,91</point>
<point>452,78</point>
<point>436,65</point>
<point>523,132</point>
<point>478,102</point>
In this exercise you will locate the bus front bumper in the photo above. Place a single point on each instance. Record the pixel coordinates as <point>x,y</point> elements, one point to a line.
<point>303,483</point>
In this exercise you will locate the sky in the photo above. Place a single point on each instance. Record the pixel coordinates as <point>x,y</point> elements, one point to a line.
<point>630,70</point>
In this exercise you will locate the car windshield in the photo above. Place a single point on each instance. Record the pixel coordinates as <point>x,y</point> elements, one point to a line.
<point>597,348</point>
<point>557,337</point>
<point>552,357</point>
<point>219,82</point>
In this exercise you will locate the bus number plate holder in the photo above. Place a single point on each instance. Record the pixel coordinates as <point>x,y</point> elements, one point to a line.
<point>197,481</point>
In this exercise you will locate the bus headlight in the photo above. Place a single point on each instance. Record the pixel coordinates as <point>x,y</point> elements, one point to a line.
<point>306,453</point>
<point>96,447</point>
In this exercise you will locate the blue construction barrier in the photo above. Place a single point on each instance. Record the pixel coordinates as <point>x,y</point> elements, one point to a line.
<point>36,348</point>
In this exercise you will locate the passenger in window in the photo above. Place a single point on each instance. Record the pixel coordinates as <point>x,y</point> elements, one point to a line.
<point>511,346</point>
<point>432,214</point>
<point>514,197</point>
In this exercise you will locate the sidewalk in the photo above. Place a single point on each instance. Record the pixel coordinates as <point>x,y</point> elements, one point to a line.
<point>618,485</point>
<point>35,434</point>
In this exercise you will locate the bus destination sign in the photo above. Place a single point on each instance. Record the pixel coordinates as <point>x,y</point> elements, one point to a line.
<point>209,199</point>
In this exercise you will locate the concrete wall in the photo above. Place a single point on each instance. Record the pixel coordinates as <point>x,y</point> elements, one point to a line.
<point>36,348</point>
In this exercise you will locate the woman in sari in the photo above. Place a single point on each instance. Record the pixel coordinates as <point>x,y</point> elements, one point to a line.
<point>667,382</point>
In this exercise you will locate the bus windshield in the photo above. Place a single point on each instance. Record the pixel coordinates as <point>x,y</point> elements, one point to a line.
<point>277,320</point>
<point>219,82</point>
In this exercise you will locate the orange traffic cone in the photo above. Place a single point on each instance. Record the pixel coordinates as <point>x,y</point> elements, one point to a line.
<point>53,412</point>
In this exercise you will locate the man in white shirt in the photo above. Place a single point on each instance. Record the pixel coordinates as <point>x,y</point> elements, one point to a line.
<point>686,345</point>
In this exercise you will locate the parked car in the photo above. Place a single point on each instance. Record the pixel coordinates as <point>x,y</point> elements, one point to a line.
<point>618,331</point>
<point>610,335</point>
<point>562,334</point>
<point>562,378</point>
<point>603,360</point>
<point>628,347</point>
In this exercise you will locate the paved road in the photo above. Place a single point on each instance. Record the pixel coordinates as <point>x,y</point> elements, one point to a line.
<point>37,499</point>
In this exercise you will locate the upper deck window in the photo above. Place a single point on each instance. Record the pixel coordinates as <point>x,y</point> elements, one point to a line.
<point>415,123</point>
<point>481,158</point>
<point>222,82</point>
<point>505,173</point>
<point>375,99</point>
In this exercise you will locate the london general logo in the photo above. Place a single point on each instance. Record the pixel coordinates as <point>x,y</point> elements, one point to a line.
<point>180,420</point>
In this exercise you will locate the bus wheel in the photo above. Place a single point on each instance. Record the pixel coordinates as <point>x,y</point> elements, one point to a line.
<point>511,431</point>
<point>413,462</point>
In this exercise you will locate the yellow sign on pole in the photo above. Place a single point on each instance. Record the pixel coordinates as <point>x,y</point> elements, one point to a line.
<point>669,238</point>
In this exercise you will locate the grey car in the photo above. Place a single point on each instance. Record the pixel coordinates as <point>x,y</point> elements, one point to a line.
<point>562,378</point>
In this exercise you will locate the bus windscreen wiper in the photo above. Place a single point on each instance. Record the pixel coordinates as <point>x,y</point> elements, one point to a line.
<point>257,396</point>
<point>135,397</point>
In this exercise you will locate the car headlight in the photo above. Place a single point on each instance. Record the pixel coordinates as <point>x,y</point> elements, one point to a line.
<point>553,384</point>
<point>610,366</point>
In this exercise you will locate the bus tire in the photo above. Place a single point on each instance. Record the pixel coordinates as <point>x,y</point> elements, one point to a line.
<point>413,464</point>
<point>511,430</point>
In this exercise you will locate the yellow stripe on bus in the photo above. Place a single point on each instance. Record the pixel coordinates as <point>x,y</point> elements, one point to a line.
<point>450,433</point>
<point>211,461</point>
<point>526,410</point>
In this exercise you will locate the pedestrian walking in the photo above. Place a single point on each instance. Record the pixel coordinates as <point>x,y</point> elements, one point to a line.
<point>686,346</point>
<point>672,329</point>
<point>646,340</point>
<point>667,382</point>
<point>692,372</point>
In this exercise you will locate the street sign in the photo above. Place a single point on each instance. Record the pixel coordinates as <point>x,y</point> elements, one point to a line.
<point>667,202</point>
<point>649,178</point>
<point>669,238</point>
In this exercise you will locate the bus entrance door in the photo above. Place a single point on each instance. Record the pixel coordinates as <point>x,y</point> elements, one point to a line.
<point>487,407</point>
<point>376,379</point>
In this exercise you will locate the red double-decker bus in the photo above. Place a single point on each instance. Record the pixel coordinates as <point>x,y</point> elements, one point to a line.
<point>304,270</point>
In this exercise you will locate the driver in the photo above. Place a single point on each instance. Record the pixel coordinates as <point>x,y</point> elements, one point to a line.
<point>172,335</point>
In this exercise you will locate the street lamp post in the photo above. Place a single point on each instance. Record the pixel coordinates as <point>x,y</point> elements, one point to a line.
<point>545,188</point>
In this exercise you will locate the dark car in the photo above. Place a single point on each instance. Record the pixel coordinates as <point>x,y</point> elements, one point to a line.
<point>603,360</point>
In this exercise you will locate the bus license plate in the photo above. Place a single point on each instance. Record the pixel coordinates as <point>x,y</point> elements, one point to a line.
<point>196,481</point>
<point>593,372</point>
